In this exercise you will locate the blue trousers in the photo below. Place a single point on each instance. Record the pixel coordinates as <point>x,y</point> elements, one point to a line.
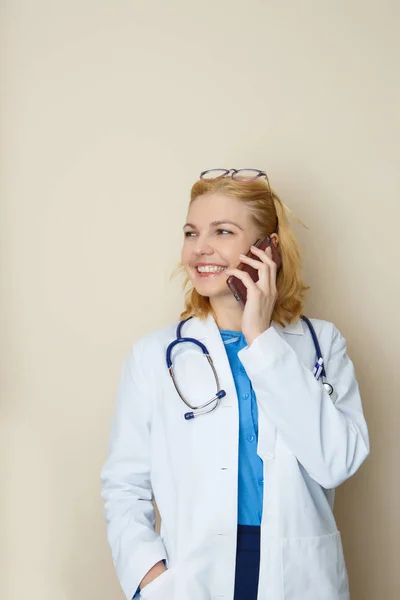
<point>247,562</point>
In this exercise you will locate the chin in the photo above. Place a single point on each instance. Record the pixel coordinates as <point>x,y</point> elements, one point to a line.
<point>212,291</point>
<point>210,288</point>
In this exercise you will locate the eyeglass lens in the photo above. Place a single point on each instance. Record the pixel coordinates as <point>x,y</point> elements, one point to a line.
<point>247,174</point>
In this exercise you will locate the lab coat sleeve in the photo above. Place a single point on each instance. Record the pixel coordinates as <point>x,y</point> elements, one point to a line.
<point>126,486</point>
<point>328,437</point>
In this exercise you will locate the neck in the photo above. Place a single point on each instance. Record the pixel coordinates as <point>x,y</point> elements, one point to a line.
<point>227,313</point>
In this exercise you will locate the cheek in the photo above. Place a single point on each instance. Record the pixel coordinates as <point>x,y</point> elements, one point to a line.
<point>185,255</point>
<point>232,253</point>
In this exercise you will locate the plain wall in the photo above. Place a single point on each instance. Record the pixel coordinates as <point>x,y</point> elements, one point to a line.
<point>109,111</point>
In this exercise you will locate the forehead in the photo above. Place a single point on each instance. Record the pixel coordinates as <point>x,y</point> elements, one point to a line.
<point>217,207</point>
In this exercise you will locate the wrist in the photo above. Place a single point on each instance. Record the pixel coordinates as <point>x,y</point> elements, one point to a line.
<point>154,572</point>
<point>251,336</point>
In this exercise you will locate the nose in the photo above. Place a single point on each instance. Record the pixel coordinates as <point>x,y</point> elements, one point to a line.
<point>203,247</point>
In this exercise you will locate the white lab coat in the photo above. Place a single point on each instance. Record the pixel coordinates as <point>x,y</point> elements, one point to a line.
<point>309,442</point>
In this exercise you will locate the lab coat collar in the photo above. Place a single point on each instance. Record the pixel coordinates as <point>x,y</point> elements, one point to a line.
<point>202,329</point>
<point>295,328</point>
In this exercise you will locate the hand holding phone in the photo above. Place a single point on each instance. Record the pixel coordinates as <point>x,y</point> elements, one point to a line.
<point>236,286</point>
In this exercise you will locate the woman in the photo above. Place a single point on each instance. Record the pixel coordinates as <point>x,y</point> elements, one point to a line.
<point>245,488</point>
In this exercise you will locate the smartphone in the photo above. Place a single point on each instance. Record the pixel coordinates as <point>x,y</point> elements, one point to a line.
<point>236,286</point>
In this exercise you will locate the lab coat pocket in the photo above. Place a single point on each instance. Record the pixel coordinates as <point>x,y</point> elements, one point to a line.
<point>314,568</point>
<point>161,588</point>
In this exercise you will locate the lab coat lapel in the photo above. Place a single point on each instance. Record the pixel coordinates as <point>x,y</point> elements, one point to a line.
<point>207,332</point>
<point>220,427</point>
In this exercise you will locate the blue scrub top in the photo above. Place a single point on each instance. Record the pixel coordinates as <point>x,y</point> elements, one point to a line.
<point>251,473</point>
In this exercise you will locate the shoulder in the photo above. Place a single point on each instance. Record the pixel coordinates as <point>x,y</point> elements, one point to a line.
<point>325,328</point>
<point>328,335</point>
<point>151,346</point>
<point>306,324</point>
<point>157,337</point>
<point>321,327</point>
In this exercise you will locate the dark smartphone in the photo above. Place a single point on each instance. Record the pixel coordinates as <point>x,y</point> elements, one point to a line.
<point>236,286</point>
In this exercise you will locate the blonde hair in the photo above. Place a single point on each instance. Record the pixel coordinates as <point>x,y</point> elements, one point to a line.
<point>267,211</point>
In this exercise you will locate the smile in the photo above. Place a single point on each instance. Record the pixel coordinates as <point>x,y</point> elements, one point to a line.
<point>210,269</point>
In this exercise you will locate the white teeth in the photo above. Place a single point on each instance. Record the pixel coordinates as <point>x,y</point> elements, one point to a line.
<point>210,269</point>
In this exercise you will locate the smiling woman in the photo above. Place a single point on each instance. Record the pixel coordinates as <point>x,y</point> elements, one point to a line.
<point>272,425</point>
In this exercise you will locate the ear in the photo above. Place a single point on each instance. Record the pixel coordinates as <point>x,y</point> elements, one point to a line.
<point>275,239</point>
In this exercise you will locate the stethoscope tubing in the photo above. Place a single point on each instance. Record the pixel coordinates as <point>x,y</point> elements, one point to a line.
<point>319,370</point>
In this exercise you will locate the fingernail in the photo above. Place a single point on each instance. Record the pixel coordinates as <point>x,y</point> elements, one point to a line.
<point>243,255</point>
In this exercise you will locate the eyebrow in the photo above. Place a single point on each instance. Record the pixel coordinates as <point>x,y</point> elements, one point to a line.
<point>216,224</point>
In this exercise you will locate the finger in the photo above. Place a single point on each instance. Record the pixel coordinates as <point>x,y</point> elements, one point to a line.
<point>264,255</point>
<point>263,269</point>
<point>267,278</point>
<point>253,262</point>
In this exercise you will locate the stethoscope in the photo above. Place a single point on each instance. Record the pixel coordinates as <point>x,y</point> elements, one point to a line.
<point>211,405</point>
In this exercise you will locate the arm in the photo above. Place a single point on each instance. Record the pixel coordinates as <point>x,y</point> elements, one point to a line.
<point>329,439</point>
<point>126,489</point>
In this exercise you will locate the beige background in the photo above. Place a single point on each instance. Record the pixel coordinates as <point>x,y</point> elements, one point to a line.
<point>109,110</point>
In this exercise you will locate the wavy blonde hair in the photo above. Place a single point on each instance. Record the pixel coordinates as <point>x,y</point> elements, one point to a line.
<point>266,210</point>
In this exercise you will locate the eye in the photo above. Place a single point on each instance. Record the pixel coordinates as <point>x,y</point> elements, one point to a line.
<point>224,232</point>
<point>189,234</point>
